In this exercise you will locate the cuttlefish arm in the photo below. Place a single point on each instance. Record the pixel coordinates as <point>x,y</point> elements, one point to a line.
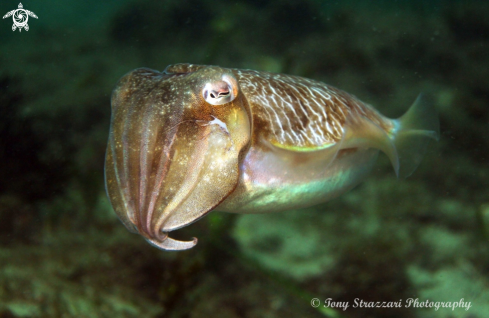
<point>170,244</point>
<point>174,149</point>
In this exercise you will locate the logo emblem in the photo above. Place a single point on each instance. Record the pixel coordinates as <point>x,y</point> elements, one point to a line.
<point>20,17</point>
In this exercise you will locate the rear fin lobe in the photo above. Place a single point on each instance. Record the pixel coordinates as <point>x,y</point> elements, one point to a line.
<point>413,132</point>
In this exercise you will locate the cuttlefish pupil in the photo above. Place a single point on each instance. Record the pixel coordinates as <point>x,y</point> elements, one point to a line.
<point>220,92</point>
<point>215,94</point>
<point>276,142</point>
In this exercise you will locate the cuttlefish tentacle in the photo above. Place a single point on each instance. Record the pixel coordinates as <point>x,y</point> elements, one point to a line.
<point>169,244</point>
<point>161,171</point>
<point>123,128</point>
<point>157,235</point>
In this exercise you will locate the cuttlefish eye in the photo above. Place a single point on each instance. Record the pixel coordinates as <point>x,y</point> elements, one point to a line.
<point>222,91</point>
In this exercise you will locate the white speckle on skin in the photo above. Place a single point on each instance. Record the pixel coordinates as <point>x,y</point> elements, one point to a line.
<point>220,123</point>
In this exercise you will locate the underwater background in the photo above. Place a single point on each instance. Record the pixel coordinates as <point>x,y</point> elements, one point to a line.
<point>64,253</point>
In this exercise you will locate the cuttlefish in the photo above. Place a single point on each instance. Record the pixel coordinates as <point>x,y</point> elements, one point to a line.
<point>196,138</point>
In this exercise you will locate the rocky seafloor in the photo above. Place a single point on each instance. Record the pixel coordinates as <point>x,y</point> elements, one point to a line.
<point>63,252</point>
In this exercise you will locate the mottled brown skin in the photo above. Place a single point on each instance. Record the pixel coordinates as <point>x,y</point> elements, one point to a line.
<point>302,106</point>
<point>195,138</point>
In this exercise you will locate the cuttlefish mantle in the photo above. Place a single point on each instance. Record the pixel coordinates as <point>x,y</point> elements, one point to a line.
<point>195,138</point>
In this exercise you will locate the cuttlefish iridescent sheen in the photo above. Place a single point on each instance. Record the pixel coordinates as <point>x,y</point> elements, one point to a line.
<point>194,139</point>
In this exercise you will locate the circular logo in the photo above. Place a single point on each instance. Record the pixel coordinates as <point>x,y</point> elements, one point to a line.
<point>20,17</point>
<point>315,302</point>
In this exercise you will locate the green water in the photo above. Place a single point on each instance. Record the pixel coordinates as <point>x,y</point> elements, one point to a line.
<point>64,253</point>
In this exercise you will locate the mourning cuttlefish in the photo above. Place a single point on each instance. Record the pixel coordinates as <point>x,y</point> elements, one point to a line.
<point>197,138</point>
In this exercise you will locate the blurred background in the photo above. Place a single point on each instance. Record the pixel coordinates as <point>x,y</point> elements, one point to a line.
<point>63,252</point>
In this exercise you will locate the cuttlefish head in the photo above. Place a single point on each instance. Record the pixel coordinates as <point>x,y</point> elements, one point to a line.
<point>174,150</point>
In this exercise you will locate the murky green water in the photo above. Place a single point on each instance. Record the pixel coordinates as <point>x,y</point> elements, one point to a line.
<point>64,253</point>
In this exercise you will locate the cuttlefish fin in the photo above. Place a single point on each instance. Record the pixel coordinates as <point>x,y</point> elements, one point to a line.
<point>405,143</point>
<point>170,244</point>
<point>412,133</point>
<point>323,156</point>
